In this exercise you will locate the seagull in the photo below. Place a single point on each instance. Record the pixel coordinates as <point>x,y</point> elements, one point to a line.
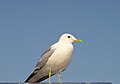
<point>54,60</point>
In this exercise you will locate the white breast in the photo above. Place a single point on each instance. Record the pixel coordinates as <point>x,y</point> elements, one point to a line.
<point>60,59</point>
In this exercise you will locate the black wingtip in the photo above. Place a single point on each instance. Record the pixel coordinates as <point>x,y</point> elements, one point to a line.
<point>43,78</point>
<point>26,81</point>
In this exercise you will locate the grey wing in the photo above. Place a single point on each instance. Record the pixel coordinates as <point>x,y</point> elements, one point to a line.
<point>43,60</point>
<point>45,57</point>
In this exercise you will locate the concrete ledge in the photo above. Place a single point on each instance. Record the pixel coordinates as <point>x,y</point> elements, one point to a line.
<point>63,83</point>
<point>79,83</point>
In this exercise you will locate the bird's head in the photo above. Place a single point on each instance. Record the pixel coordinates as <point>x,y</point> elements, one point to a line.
<point>69,38</point>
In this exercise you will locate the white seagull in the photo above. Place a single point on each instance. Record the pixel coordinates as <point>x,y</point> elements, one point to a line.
<point>54,60</point>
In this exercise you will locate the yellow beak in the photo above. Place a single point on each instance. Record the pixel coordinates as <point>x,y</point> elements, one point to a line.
<point>78,40</point>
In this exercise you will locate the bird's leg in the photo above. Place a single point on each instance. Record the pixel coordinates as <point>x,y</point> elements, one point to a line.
<point>50,72</point>
<point>59,76</point>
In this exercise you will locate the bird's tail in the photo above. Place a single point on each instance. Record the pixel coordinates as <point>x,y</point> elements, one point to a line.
<point>37,81</point>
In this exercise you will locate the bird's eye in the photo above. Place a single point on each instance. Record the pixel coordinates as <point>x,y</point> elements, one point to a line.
<point>68,36</point>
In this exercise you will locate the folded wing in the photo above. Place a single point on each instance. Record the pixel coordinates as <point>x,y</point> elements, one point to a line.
<point>35,76</point>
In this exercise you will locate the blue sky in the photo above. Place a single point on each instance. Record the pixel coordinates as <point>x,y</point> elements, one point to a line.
<point>28,27</point>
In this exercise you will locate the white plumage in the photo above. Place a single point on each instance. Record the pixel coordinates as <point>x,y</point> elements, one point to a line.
<point>54,60</point>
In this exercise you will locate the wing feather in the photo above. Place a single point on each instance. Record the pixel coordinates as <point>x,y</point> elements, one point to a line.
<point>41,63</point>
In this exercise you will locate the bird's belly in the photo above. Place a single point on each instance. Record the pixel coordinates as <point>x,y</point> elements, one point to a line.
<point>59,61</point>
